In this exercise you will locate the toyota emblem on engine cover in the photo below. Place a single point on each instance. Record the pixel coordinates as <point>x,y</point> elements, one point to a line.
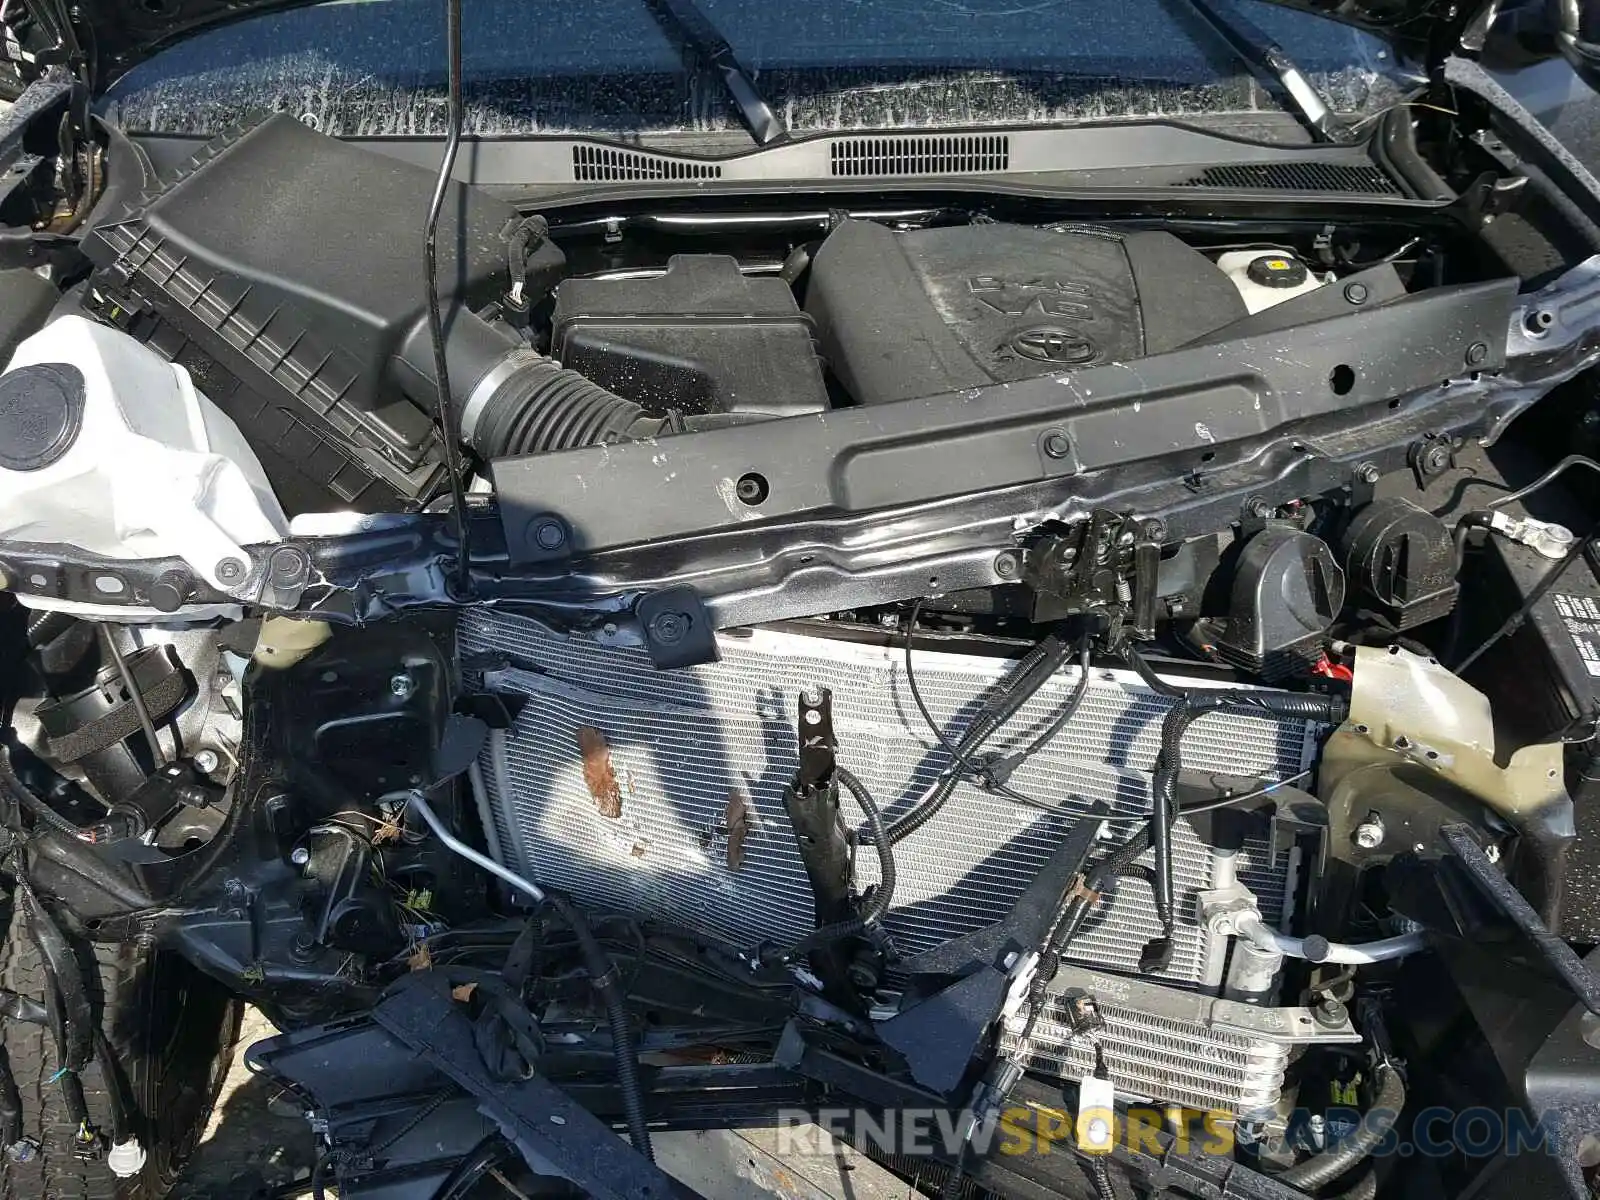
<point>1048,343</point>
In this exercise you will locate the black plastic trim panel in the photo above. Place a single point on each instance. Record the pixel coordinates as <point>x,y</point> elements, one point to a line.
<point>1181,404</point>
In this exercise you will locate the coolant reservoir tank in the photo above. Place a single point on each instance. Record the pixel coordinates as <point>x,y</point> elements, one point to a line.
<point>107,447</point>
<point>1265,278</point>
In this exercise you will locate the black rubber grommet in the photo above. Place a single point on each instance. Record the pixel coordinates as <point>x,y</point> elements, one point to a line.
<point>41,412</point>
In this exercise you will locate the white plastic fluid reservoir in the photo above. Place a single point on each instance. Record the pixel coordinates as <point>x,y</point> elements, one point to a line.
<point>107,447</point>
<point>1266,277</point>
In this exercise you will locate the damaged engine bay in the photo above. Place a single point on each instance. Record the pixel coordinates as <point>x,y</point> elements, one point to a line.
<point>1029,654</point>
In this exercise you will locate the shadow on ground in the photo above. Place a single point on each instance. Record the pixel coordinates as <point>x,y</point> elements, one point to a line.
<point>256,1144</point>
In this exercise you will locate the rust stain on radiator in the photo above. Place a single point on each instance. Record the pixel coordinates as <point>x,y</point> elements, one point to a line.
<point>599,776</point>
<point>737,819</point>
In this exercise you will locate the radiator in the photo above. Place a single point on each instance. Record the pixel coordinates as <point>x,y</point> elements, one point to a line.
<point>661,792</point>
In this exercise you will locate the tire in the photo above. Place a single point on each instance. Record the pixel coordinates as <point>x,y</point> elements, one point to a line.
<point>174,1031</point>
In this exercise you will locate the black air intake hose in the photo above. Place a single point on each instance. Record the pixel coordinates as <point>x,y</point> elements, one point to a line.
<point>541,406</point>
<point>512,400</point>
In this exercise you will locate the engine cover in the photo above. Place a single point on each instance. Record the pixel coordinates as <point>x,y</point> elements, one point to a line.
<point>902,315</point>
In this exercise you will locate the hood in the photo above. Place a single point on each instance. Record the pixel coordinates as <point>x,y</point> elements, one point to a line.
<point>112,36</point>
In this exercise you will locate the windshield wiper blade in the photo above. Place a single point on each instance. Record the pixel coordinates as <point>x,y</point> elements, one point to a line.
<point>1272,64</point>
<point>684,22</point>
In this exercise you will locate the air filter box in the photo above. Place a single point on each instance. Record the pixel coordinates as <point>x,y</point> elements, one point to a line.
<point>284,268</point>
<point>702,338</point>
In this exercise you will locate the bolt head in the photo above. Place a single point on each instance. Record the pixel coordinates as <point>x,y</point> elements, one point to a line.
<point>230,570</point>
<point>1356,293</point>
<point>1369,835</point>
<point>1477,353</point>
<point>401,686</point>
<point>206,761</point>
<point>1006,565</point>
<point>1368,473</point>
<point>299,856</point>
<point>1437,458</point>
<point>1056,444</point>
<point>1330,1013</point>
<point>287,566</point>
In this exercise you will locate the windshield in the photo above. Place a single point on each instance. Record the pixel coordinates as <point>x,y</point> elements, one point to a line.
<point>375,67</point>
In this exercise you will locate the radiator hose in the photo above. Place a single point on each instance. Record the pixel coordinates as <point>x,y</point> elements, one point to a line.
<point>1322,1169</point>
<point>1189,706</point>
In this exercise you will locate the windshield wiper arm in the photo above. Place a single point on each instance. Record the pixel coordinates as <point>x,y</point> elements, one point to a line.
<point>684,22</point>
<point>1271,62</point>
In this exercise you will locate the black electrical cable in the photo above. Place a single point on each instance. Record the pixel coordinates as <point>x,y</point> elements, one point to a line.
<point>479,1161</point>
<point>603,975</point>
<point>1189,706</point>
<point>1100,1174</point>
<point>1566,464</point>
<point>1002,770</point>
<point>1535,594</point>
<point>1026,668</point>
<point>1324,1168</point>
<point>432,1105</point>
<point>67,1001</point>
<point>882,898</point>
<point>62,971</point>
<point>1138,871</point>
<point>10,1105</point>
<point>135,696</point>
<point>1064,718</point>
<point>118,1094</point>
<point>1195,807</point>
<point>954,1182</point>
<point>1019,686</point>
<point>445,410</point>
<point>35,807</point>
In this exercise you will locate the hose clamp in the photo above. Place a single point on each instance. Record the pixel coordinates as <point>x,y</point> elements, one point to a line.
<point>483,391</point>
